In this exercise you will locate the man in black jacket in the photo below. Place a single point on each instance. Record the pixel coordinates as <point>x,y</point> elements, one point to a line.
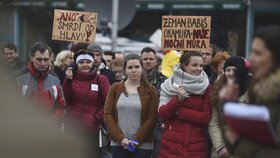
<point>207,57</point>
<point>101,67</point>
<point>156,78</point>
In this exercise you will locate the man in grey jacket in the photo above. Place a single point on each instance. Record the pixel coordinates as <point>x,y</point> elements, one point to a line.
<point>39,84</point>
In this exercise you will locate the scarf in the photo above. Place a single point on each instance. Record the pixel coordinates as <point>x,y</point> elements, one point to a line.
<point>38,74</point>
<point>85,76</point>
<point>193,84</point>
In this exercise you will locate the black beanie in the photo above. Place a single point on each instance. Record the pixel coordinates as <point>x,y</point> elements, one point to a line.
<point>241,74</point>
<point>235,61</point>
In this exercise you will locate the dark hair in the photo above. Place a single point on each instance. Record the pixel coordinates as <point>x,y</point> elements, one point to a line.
<point>41,47</point>
<point>148,49</point>
<point>10,46</point>
<point>217,87</point>
<point>79,52</point>
<point>270,35</point>
<point>74,47</point>
<point>214,49</point>
<point>186,57</point>
<point>136,57</point>
<point>110,53</point>
<point>132,57</point>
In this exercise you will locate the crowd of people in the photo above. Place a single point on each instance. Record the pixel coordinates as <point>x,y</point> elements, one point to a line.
<point>146,110</point>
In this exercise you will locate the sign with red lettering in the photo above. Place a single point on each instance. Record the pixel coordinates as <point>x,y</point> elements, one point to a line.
<point>186,32</point>
<point>74,26</point>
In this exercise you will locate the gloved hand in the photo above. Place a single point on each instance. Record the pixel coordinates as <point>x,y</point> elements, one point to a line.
<point>131,145</point>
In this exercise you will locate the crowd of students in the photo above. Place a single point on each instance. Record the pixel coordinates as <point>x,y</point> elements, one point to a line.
<point>149,114</point>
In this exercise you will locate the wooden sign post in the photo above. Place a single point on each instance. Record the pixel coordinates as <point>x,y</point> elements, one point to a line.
<point>186,33</point>
<point>74,26</point>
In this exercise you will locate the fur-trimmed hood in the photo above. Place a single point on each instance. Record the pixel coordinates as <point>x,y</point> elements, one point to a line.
<point>267,91</point>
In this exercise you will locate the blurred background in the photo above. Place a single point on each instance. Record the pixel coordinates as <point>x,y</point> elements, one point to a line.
<point>233,21</point>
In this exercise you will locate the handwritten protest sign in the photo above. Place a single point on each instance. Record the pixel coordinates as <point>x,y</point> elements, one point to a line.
<point>186,32</point>
<point>74,26</point>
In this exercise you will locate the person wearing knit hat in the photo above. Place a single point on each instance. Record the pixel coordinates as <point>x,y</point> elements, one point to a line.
<point>235,61</point>
<point>241,72</point>
<point>97,51</point>
<point>234,70</point>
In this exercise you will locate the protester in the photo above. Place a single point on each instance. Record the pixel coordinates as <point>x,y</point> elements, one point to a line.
<point>217,66</point>
<point>85,92</point>
<point>117,68</point>
<point>28,132</point>
<point>207,57</point>
<point>12,61</point>
<point>265,90</point>
<point>234,67</point>
<point>101,68</point>
<point>149,60</point>
<point>51,61</point>
<point>39,84</point>
<point>131,112</point>
<point>156,78</point>
<point>185,109</point>
<point>62,61</point>
<point>119,55</point>
<point>108,57</point>
<point>159,62</point>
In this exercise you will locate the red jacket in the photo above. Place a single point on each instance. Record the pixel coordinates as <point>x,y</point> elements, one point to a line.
<point>184,134</point>
<point>82,98</point>
<point>43,88</point>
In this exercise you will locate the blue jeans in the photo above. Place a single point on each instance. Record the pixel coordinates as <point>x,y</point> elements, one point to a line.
<point>119,152</point>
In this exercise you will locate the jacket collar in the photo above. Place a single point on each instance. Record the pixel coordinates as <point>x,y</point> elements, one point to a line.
<point>38,74</point>
<point>267,90</point>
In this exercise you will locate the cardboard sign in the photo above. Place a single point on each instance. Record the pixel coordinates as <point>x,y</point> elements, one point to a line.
<point>74,26</point>
<point>186,32</point>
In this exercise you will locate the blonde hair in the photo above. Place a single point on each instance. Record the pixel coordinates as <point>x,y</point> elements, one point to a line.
<point>62,56</point>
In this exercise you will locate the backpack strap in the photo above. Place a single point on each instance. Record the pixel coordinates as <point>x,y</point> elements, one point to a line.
<point>100,100</point>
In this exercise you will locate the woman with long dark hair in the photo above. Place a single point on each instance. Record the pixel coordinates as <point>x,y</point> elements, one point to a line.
<point>131,112</point>
<point>234,70</point>
<point>264,90</point>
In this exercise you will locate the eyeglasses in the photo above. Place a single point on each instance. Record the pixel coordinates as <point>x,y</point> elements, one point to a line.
<point>41,59</point>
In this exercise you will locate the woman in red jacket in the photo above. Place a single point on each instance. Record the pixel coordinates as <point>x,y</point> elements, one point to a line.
<point>186,110</point>
<point>85,92</point>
